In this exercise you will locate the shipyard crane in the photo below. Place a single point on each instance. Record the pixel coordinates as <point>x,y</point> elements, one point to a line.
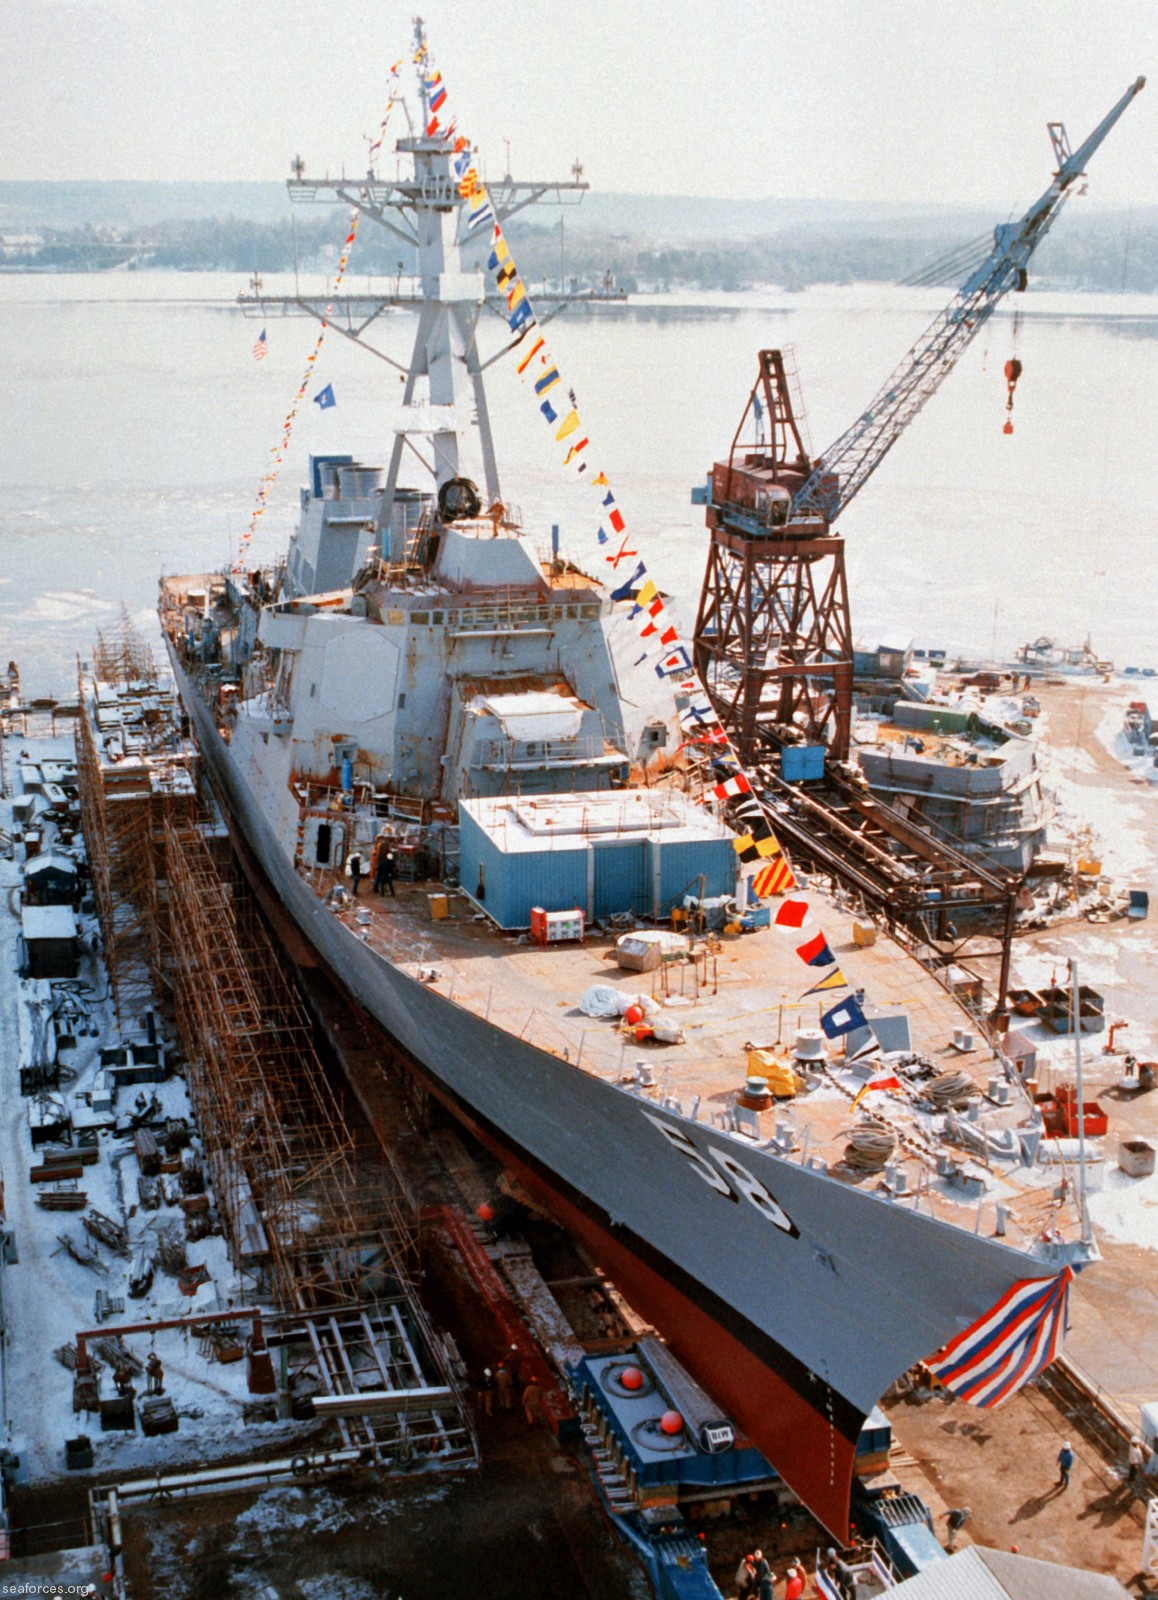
<point>846,466</point>
<point>773,637</point>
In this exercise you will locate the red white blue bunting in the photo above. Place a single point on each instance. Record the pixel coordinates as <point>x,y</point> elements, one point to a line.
<point>1009,1345</point>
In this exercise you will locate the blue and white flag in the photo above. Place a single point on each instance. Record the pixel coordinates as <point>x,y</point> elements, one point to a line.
<point>324,398</point>
<point>844,1017</point>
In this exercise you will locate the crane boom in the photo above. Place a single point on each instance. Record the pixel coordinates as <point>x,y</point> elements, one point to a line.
<point>847,465</point>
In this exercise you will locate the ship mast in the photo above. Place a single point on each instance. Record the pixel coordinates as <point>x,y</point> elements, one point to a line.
<point>443,382</point>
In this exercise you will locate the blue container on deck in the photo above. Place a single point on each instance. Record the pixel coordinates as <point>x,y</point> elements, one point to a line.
<point>802,763</point>
<point>1139,906</point>
<point>758,917</point>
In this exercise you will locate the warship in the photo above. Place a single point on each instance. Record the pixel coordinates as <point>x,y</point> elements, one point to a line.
<point>463,796</point>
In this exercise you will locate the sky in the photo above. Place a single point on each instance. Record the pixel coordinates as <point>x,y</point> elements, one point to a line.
<point>880,100</point>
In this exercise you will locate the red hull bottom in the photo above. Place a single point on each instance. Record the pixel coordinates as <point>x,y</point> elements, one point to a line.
<point>776,1419</point>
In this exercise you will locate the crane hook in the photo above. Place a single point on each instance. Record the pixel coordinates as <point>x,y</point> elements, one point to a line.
<point>1012,373</point>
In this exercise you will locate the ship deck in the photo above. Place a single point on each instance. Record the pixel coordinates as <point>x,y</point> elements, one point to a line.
<point>742,992</point>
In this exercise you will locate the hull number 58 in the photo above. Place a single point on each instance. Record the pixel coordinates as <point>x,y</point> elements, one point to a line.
<point>727,1176</point>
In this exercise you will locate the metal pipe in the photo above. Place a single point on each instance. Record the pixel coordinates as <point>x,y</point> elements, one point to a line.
<point>1076,1018</point>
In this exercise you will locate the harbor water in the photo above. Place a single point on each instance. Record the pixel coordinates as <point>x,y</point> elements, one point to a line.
<point>138,428</point>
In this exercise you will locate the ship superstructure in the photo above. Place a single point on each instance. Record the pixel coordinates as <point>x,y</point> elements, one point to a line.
<point>566,948</point>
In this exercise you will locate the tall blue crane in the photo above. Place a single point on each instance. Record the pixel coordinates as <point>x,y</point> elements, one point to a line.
<point>846,466</point>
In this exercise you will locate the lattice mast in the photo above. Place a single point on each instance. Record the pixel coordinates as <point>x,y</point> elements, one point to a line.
<point>444,395</point>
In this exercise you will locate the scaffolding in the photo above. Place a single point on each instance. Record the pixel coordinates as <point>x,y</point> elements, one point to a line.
<point>134,777</point>
<point>315,1217</point>
<point>122,656</point>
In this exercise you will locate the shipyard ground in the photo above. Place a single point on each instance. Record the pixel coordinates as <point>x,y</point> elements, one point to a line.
<point>1114,1308</point>
<point>526,1525</point>
<point>1002,1465</point>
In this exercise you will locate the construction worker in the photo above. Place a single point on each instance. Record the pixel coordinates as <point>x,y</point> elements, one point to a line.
<point>355,865</point>
<point>155,1373</point>
<point>123,1380</point>
<point>504,1385</point>
<point>384,872</point>
<point>533,1403</point>
<point>956,1520</point>
<point>486,1391</point>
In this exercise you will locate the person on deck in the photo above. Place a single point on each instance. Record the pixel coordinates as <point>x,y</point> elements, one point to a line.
<point>1065,1464</point>
<point>355,864</point>
<point>384,872</point>
<point>794,1587</point>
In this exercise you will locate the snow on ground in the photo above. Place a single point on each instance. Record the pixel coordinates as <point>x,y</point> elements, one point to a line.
<point>48,1296</point>
<point>1127,1208</point>
<point>1139,760</point>
<point>1113,821</point>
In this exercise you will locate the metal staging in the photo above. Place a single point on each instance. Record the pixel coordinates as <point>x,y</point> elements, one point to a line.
<point>314,1218</point>
<point>125,805</point>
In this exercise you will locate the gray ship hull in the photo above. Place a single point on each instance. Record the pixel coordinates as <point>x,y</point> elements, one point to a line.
<point>794,1299</point>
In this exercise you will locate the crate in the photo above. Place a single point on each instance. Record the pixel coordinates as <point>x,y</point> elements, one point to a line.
<point>1060,1114</point>
<point>556,927</point>
<point>438,905</point>
<point>1136,1157</point>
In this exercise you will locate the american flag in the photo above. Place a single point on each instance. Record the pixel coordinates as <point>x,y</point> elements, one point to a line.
<point>260,349</point>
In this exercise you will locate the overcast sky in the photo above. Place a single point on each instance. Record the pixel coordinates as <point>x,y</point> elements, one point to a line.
<point>897,100</point>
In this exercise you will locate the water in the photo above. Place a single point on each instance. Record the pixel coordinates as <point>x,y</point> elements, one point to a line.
<point>138,427</point>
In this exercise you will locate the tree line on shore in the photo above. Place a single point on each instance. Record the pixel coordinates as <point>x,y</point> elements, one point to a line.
<point>1117,253</point>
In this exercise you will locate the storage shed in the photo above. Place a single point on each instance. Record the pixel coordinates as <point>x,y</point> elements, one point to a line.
<point>50,937</point>
<point>623,851</point>
<point>50,879</point>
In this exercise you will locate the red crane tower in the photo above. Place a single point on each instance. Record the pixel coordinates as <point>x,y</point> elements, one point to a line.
<point>773,639</point>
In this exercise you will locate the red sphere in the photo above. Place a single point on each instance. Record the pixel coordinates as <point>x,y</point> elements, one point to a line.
<point>631,1378</point>
<point>633,1014</point>
<point>486,1212</point>
<point>671,1422</point>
